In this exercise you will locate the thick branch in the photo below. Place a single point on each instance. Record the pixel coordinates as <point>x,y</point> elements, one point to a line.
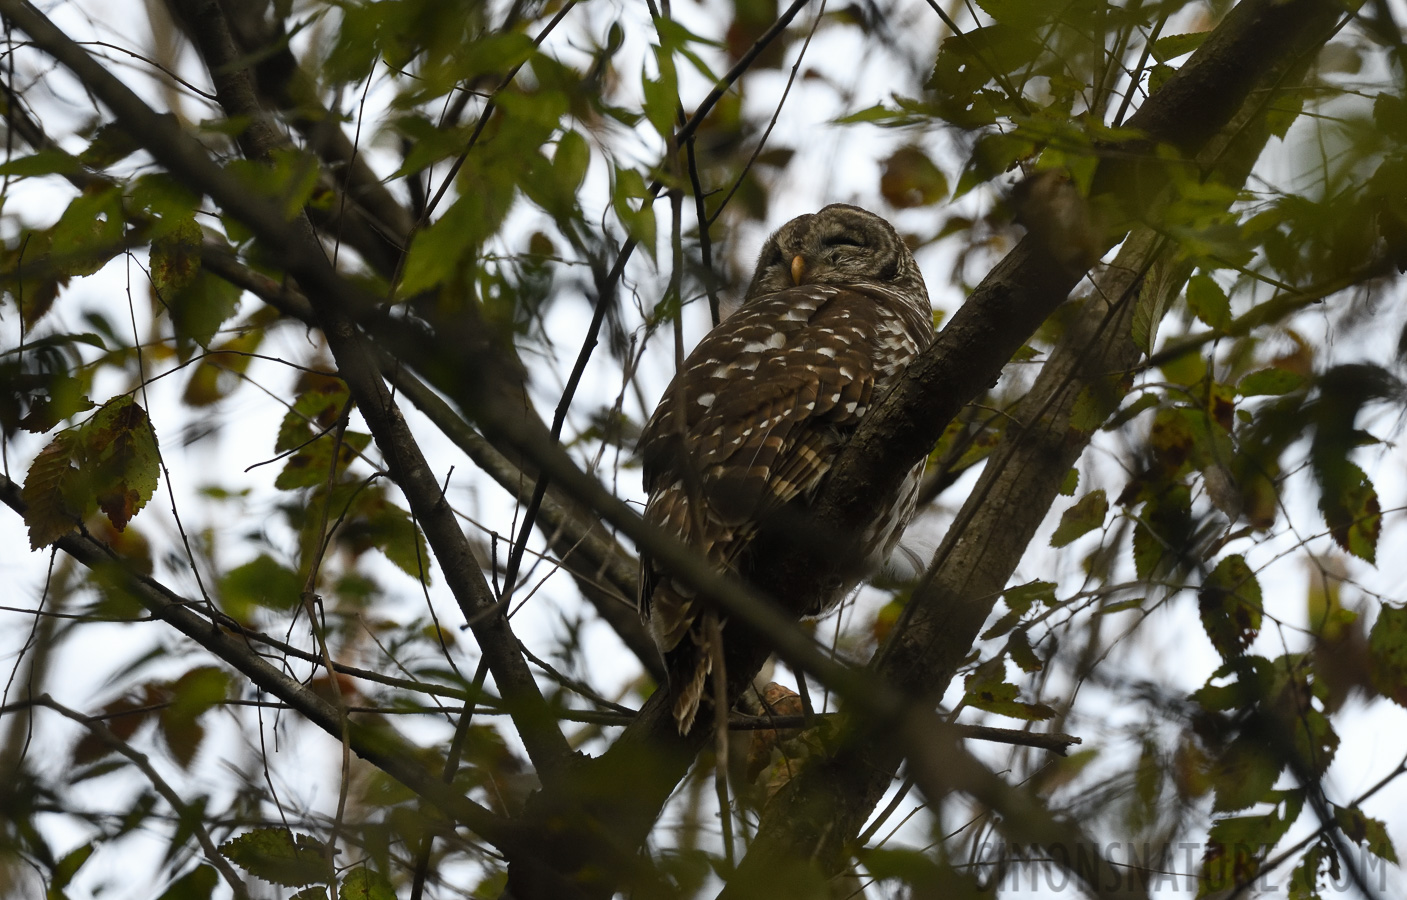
<point>1022,477</point>
<point>230,71</point>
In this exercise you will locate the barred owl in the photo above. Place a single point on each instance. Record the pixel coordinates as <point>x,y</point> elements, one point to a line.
<point>763,406</point>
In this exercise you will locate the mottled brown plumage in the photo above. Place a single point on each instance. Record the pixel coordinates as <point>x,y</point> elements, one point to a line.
<point>760,410</point>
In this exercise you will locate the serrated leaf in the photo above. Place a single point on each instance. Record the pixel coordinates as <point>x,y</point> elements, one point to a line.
<point>121,459</point>
<point>1149,308</point>
<point>1085,516</point>
<point>1350,507</point>
<point>1018,646</point>
<point>89,233</point>
<point>279,856</point>
<point>1244,774</point>
<point>1001,697</point>
<point>1208,301</point>
<point>1230,605</point>
<point>310,466</point>
<point>366,884</point>
<point>395,534</point>
<point>192,695</point>
<point>50,513</point>
<point>1122,605</point>
<point>1022,597</point>
<point>175,259</point>
<point>1304,881</point>
<point>1387,652</point>
<point>1174,45</point>
<point>1365,830</point>
<point>112,143</point>
<point>1160,538</point>
<point>199,309</point>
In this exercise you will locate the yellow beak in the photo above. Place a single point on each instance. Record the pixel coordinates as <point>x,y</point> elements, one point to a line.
<point>798,269</point>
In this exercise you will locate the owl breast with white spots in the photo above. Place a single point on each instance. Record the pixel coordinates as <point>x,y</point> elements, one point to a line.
<point>764,404</point>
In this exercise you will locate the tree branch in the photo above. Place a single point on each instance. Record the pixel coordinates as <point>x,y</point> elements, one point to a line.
<point>381,747</point>
<point>184,813</point>
<point>1022,477</point>
<point>332,298</point>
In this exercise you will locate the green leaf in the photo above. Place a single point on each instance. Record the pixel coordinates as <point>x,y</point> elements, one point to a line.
<point>1365,830</point>
<point>1387,653</point>
<point>45,162</point>
<point>1174,45</point>
<point>122,458</point>
<point>175,259</point>
<point>910,179</point>
<point>279,856</point>
<point>1235,850</point>
<point>1149,308</point>
<point>50,511</point>
<point>1350,507</point>
<point>259,583</point>
<point>366,884</point>
<point>111,463</point>
<point>1244,774</point>
<point>987,691</point>
<point>1018,646</point>
<point>199,309</point>
<point>197,884</point>
<point>89,233</point>
<point>111,144</point>
<point>1085,516</point>
<point>1304,881</point>
<point>1164,529</point>
<point>1023,597</point>
<point>571,160</point>
<point>661,101</point>
<point>1131,412</point>
<point>392,531</point>
<point>193,694</point>
<point>1208,301</point>
<point>312,465</point>
<point>1019,13</point>
<point>927,874</point>
<point>1230,605</point>
<point>67,867</point>
<point>1270,383</point>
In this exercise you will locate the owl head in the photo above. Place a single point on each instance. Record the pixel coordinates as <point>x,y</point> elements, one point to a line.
<point>840,245</point>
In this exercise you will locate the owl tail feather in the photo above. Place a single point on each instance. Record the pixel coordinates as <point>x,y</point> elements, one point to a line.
<point>690,663</point>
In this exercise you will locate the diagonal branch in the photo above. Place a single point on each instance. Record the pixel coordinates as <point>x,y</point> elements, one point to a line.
<point>573,533</point>
<point>183,811</point>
